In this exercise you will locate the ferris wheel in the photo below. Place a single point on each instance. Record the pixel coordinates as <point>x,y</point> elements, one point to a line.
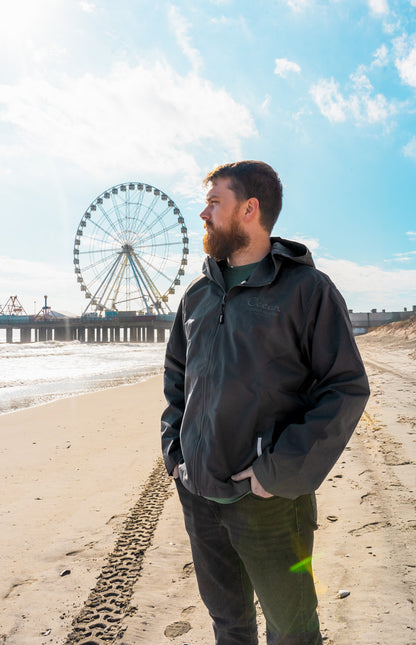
<point>130,250</point>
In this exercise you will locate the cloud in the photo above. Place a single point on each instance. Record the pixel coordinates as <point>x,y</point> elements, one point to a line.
<point>311,242</point>
<point>221,20</point>
<point>88,7</point>
<point>238,23</point>
<point>181,29</point>
<point>366,286</point>
<point>409,149</point>
<point>404,257</point>
<point>146,119</point>
<point>283,67</point>
<point>329,99</point>
<point>381,57</point>
<point>362,105</point>
<point>265,106</point>
<point>405,61</point>
<point>298,5</point>
<point>378,7</point>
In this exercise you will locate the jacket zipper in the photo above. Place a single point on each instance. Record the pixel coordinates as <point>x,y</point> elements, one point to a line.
<point>222,312</point>
<point>212,343</point>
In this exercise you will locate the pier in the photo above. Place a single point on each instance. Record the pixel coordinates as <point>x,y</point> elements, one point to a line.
<point>115,329</point>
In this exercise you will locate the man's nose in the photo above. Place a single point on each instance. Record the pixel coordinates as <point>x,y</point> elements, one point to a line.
<point>205,214</point>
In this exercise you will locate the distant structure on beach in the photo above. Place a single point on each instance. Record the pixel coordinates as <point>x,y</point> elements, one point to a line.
<point>130,251</point>
<point>13,307</point>
<point>361,322</point>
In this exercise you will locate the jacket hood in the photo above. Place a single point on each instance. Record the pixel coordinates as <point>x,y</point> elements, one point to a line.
<point>295,251</point>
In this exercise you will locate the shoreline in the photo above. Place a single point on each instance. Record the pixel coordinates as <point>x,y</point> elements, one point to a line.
<point>108,383</point>
<point>46,372</point>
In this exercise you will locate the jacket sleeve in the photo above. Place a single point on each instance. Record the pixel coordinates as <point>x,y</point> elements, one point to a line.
<point>305,452</point>
<point>174,383</point>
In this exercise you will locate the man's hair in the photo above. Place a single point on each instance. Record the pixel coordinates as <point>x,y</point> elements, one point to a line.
<point>253,179</point>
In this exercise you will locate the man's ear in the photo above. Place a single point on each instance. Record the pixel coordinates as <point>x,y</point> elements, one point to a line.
<point>252,209</point>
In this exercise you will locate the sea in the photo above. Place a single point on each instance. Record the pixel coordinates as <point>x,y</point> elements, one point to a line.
<point>33,374</point>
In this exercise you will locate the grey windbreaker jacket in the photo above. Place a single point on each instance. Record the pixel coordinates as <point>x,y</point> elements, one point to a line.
<point>267,375</point>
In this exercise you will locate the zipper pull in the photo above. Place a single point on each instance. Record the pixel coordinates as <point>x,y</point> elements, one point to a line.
<point>221,319</point>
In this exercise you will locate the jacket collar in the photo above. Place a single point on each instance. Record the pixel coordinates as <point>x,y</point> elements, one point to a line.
<point>281,250</point>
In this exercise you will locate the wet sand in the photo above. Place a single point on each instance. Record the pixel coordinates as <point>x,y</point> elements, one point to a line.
<point>93,543</point>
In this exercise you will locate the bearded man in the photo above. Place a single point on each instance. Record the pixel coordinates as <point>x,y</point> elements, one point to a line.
<point>265,386</point>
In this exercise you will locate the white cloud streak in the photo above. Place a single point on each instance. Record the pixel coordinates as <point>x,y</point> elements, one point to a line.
<point>404,257</point>
<point>381,57</point>
<point>283,67</point>
<point>265,106</point>
<point>181,28</point>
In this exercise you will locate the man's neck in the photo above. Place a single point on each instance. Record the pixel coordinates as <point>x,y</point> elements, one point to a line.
<point>249,255</point>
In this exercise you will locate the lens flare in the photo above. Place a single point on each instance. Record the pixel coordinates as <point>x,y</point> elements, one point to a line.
<point>302,565</point>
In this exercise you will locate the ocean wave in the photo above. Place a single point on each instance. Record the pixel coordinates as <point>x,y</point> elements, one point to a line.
<point>41,372</point>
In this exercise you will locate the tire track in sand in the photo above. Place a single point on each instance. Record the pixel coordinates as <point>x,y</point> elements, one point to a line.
<point>101,618</point>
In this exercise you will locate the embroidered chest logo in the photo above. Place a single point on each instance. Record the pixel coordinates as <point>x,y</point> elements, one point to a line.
<point>261,305</point>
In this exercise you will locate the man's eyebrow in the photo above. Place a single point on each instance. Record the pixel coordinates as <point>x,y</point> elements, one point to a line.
<point>211,197</point>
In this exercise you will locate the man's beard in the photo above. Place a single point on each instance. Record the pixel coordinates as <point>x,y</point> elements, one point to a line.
<point>221,244</point>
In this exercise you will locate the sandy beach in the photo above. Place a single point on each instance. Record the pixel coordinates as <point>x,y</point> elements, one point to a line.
<point>93,548</point>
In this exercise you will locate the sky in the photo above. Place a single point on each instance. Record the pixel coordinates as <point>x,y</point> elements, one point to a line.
<point>94,93</point>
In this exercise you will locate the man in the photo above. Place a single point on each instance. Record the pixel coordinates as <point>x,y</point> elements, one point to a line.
<point>264,385</point>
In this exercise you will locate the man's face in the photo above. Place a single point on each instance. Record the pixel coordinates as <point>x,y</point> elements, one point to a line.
<point>222,220</point>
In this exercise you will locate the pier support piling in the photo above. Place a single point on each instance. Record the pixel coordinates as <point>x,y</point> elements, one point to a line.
<point>25,334</point>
